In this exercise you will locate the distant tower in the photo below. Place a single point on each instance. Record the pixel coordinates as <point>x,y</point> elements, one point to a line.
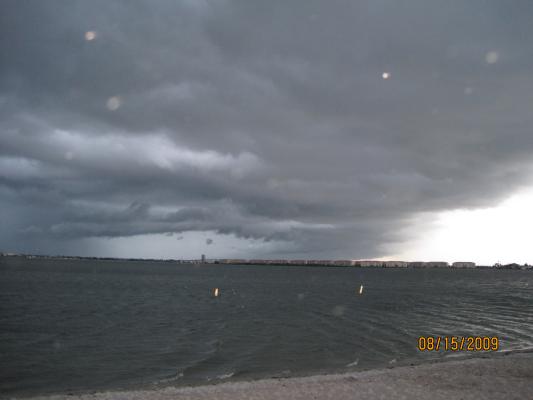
<point>203,258</point>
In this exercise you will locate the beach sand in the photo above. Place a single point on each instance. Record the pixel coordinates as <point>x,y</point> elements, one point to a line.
<point>498,377</point>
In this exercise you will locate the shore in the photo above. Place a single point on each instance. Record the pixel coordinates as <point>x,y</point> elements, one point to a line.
<point>503,376</point>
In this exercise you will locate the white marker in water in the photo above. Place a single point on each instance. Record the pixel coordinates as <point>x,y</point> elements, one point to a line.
<point>361,289</point>
<point>215,292</point>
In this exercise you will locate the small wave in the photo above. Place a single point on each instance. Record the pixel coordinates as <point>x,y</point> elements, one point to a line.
<point>222,376</point>
<point>457,355</point>
<point>353,364</point>
<point>170,379</point>
<point>524,349</point>
<point>225,376</point>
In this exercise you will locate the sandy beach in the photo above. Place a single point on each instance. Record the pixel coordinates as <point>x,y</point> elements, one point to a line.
<point>507,376</point>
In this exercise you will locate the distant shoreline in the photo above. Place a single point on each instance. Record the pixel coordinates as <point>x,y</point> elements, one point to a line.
<point>289,263</point>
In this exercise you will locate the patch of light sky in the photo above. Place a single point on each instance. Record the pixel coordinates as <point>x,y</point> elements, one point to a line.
<point>486,236</point>
<point>186,245</point>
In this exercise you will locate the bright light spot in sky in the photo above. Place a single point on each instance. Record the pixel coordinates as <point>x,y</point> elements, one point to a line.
<point>492,57</point>
<point>90,35</point>
<point>385,75</point>
<point>485,236</point>
<point>113,103</point>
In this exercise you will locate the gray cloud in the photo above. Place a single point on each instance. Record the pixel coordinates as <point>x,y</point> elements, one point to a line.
<point>259,120</point>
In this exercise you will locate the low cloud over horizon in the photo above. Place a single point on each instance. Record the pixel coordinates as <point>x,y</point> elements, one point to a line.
<point>257,129</point>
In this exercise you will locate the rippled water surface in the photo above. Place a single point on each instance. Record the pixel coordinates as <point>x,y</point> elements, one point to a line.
<point>88,325</point>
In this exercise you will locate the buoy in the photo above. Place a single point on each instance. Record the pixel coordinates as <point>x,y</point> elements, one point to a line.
<point>361,289</point>
<point>216,292</point>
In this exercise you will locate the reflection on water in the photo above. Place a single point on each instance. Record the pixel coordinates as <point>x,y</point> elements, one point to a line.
<point>78,325</point>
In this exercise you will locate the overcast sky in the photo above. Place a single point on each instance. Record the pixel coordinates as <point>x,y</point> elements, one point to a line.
<point>289,129</point>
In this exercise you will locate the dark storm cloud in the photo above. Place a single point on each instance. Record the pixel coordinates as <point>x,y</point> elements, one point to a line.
<point>263,120</point>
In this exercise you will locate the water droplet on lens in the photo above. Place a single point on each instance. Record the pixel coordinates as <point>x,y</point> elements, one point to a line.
<point>90,35</point>
<point>113,103</point>
<point>492,57</point>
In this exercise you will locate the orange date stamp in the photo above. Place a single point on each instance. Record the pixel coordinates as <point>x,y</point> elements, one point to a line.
<point>458,343</point>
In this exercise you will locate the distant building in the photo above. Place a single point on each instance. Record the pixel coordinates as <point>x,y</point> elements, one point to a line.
<point>354,263</point>
<point>395,264</point>
<point>367,263</point>
<point>275,262</point>
<point>232,261</point>
<point>436,264</point>
<point>463,264</point>
<point>417,264</point>
<point>203,258</point>
<point>298,262</point>
<point>343,263</point>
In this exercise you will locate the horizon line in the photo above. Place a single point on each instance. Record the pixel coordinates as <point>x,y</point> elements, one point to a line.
<point>229,260</point>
